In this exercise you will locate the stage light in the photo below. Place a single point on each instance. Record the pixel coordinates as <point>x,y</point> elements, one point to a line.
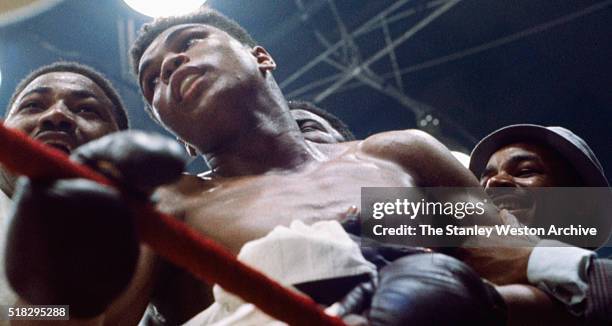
<point>158,8</point>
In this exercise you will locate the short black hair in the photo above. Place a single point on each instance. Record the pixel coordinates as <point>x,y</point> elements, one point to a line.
<point>333,120</point>
<point>119,111</point>
<point>205,16</point>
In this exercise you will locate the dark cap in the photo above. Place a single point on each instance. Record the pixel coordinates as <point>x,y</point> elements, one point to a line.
<point>571,147</point>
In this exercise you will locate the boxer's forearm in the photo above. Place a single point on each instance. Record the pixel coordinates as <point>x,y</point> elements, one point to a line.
<point>527,305</point>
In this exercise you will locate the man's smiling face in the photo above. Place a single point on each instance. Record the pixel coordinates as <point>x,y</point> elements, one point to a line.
<point>515,168</point>
<point>63,110</point>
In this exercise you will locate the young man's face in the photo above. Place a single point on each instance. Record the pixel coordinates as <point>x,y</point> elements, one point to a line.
<point>63,110</point>
<point>519,166</point>
<point>315,128</point>
<point>194,74</point>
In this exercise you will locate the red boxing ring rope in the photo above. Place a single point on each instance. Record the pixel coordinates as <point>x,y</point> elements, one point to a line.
<point>171,238</point>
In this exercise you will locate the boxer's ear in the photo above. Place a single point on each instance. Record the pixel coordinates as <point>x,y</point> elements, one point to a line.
<point>264,59</point>
<point>192,151</point>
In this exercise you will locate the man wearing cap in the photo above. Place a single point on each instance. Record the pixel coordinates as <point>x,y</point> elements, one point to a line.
<point>532,156</point>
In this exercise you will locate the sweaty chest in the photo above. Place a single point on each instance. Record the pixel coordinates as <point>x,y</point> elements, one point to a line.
<point>326,192</point>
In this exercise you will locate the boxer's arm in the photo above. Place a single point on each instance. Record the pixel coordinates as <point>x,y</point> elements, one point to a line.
<point>527,305</point>
<point>431,164</point>
<point>427,160</point>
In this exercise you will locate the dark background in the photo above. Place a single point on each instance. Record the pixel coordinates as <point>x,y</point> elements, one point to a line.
<point>478,66</point>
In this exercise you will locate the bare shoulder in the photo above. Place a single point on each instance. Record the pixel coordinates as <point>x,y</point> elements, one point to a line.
<point>401,144</point>
<point>384,143</point>
<point>421,155</point>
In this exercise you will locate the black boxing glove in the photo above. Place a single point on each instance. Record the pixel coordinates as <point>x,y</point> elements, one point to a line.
<point>137,160</point>
<point>426,289</point>
<point>70,242</point>
<point>73,241</point>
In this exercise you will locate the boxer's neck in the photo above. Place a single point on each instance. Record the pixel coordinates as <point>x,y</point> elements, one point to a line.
<point>273,142</point>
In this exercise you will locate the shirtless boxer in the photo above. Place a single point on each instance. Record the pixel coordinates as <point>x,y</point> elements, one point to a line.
<point>215,74</point>
<point>206,80</point>
<point>194,72</point>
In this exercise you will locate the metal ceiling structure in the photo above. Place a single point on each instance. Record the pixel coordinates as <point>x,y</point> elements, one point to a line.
<point>353,70</point>
<point>345,56</point>
<point>455,68</point>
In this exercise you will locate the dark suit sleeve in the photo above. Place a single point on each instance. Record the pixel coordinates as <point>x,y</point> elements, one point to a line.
<point>599,295</point>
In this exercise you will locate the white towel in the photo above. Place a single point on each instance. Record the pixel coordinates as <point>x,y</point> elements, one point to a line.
<point>290,255</point>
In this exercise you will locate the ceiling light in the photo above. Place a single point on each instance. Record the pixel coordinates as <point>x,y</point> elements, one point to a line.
<point>158,8</point>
